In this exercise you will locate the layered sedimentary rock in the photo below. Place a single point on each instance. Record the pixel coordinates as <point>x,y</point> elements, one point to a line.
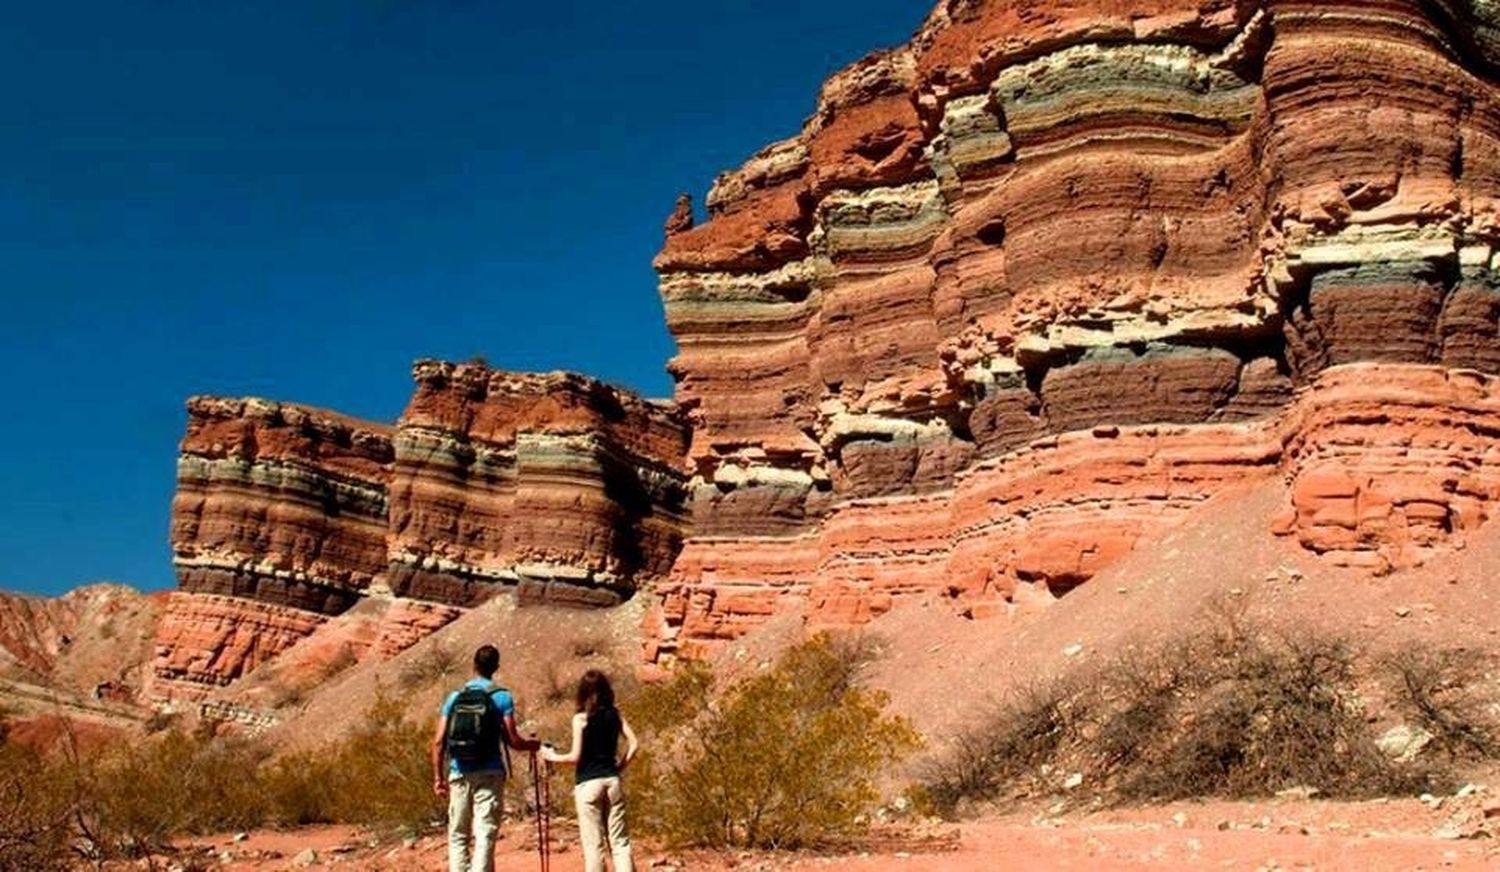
<point>560,485</point>
<point>556,486</point>
<point>1397,463</point>
<point>281,504</point>
<point>1052,274</point>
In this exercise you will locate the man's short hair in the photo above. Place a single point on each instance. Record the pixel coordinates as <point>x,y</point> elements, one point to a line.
<point>486,661</point>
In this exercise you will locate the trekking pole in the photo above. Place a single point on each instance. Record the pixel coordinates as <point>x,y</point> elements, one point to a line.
<point>547,817</point>
<point>541,794</point>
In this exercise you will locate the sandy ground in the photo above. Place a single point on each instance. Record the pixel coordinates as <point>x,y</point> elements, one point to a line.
<point>1451,833</point>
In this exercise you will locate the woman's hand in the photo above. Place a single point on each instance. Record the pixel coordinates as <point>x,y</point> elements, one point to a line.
<point>440,786</point>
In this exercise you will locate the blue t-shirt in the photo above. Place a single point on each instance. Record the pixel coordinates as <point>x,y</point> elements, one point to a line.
<point>507,707</point>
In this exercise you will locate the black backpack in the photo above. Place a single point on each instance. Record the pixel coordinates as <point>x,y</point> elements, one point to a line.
<point>475,731</point>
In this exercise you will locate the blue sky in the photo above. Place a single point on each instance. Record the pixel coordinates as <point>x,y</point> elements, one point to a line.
<point>297,199</point>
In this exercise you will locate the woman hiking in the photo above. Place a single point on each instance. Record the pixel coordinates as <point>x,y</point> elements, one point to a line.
<point>597,728</point>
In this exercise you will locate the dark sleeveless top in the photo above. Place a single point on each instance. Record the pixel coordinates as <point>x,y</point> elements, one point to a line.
<point>601,746</point>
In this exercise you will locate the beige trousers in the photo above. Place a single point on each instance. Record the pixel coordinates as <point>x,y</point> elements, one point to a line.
<point>475,804</point>
<point>601,810</point>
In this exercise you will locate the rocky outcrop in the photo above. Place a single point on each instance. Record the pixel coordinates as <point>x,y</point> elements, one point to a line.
<point>280,504</point>
<point>1052,274</point>
<point>1397,463</point>
<point>558,487</point>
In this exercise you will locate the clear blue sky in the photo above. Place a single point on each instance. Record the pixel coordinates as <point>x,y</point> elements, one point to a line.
<point>297,199</point>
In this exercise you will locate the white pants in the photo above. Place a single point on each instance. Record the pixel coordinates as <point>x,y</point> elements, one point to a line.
<point>601,809</point>
<point>475,803</point>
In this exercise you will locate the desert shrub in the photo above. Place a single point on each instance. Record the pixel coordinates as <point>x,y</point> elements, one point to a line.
<point>39,805</point>
<point>1438,691</point>
<point>145,794</point>
<point>378,776</point>
<point>342,661</point>
<point>784,759</point>
<point>1262,718</point>
<point>429,665</point>
<point>1224,714</point>
<point>1022,735</point>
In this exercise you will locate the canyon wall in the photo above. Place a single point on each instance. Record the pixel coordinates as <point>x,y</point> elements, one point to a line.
<point>557,487</point>
<point>1051,275</point>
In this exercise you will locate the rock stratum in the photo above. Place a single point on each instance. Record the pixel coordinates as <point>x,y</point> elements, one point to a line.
<point>555,487</point>
<point>1022,293</point>
<point>1053,275</point>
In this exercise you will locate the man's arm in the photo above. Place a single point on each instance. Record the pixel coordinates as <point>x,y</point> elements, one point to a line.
<point>514,738</point>
<point>439,777</point>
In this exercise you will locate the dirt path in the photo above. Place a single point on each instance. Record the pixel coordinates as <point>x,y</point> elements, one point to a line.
<point>1296,834</point>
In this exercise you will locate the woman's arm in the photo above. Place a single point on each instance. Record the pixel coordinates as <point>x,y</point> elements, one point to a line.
<point>572,756</point>
<point>631,745</point>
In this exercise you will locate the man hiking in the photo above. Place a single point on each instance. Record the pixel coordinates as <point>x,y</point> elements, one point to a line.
<point>478,721</point>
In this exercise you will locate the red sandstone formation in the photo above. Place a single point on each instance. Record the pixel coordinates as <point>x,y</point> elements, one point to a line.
<point>1020,293</point>
<point>1052,274</point>
<point>557,486</point>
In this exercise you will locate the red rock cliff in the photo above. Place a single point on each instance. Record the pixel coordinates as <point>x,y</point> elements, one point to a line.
<point>557,486</point>
<point>1053,273</point>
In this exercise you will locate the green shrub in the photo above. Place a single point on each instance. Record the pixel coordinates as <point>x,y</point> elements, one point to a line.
<point>785,759</point>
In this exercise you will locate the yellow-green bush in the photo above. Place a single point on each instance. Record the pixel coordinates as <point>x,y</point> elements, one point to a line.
<point>784,759</point>
<point>379,775</point>
<point>145,794</point>
<point>38,812</point>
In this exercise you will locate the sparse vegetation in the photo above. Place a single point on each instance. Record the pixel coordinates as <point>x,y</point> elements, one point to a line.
<point>1231,714</point>
<point>133,799</point>
<point>1437,690</point>
<point>784,759</point>
<point>143,795</point>
<point>38,812</point>
<point>378,776</point>
<point>429,665</point>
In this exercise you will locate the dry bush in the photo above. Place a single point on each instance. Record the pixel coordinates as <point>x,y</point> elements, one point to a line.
<point>145,794</point>
<point>430,665</point>
<point>38,811</point>
<point>1020,737</point>
<point>342,661</point>
<point>1438,690</point>
<point>379,775</point>
<point>1261,717</point>
<point>784,759</point>
<point>1228,714</point>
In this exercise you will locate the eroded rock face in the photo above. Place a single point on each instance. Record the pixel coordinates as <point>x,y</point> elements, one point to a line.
<point>1052,274</point>
<point>281,504</point>
<point>558,484</point>
<point>557,487</point>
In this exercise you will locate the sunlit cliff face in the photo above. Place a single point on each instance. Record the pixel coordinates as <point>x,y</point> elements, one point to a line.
<point>1050,276</point>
